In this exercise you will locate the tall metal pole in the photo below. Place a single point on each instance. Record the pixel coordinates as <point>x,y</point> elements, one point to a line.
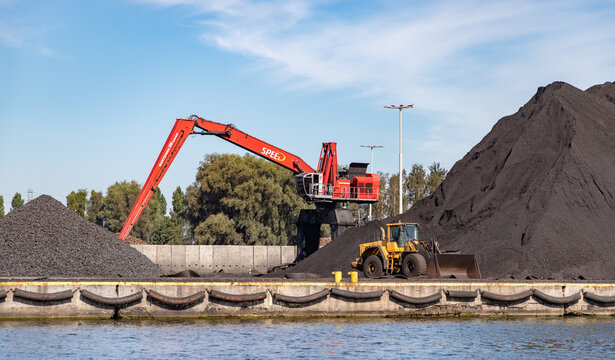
<point>400,108</point>
<point>401,208</point>
<point>371,170</point>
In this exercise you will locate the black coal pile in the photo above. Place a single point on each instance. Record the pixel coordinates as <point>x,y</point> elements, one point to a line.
<point>533,199</point>
<point>46,239</point>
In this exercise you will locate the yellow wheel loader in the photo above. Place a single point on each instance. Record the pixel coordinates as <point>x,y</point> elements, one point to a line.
<point>399,251</point>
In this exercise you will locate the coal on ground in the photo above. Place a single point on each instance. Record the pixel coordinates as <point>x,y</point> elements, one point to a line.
<point>535,198</point>
<point>44,238</point>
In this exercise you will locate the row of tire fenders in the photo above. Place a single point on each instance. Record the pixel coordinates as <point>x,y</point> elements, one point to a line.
<point>220,297</point>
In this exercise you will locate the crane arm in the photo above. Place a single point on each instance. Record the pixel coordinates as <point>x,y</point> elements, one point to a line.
<point>256,146</point>
<point>177,137</point>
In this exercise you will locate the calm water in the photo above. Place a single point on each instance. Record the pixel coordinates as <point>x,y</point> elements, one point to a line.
<point>560,338</point>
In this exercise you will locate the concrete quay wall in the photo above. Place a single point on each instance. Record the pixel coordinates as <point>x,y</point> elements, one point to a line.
<point>208,259</point>
<point>292,299</point>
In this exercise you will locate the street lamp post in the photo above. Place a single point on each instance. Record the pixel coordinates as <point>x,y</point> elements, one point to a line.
<point>400,108</point>
<point>371,170</point>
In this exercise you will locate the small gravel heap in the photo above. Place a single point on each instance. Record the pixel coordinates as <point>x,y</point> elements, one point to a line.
<point>46,239</point>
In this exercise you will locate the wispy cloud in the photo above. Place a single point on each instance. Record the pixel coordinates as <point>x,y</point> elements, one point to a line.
<point>54,54</point>
<point>468,63</point>
<point>22,40</point>
<point>25,37</point>
<point>10,38</point>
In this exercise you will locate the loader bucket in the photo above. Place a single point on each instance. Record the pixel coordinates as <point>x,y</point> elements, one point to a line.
<point>453,265</point>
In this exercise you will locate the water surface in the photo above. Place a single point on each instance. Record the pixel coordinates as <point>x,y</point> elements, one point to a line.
<point>562,338</point>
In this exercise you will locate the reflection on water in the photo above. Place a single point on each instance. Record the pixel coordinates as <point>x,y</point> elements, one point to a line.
<point>307,339</point>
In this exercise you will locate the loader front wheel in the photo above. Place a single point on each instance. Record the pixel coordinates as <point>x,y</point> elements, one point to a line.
<point>414,265</point>
<point>372,267</point>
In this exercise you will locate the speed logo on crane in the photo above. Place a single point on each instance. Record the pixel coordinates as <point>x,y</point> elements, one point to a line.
<point>273,154</point>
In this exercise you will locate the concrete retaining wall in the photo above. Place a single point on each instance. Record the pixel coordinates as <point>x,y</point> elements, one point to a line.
<point>328,305</point>
<point>206,259</point>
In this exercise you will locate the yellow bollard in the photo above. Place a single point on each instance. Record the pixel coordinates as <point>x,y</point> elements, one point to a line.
<point>354,276</point>
<point>338,276</point>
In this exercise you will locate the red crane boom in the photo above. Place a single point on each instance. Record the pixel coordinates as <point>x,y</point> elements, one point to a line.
<point>322,185</point>
<point>233,135</point>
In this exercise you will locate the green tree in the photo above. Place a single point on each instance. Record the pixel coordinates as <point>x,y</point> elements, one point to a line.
<point>416,184</point>
<point>178,203</point>
<point>76,201</point>
<point>380,210</point>
<point>94,208</point>
<point>392,195</point>
<point>217,229</point>
<point>1,206</point>
<point>120,198</point>
<point>420,185</point>
<point>254,198</point>
<point>177,227</point>
<point>159,203</point>
<point>167,230</point>
<point>436,175</point>
<point>16,202</point>
<point>325,230</point>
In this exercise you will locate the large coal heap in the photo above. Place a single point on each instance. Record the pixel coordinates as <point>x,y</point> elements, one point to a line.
<point>534,198</point>
<point>46,239</point>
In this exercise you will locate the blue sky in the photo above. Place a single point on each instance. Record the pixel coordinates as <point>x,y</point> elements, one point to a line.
<point>89,90</point>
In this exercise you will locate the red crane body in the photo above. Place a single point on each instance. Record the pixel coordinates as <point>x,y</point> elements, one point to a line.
<point>322,185</point>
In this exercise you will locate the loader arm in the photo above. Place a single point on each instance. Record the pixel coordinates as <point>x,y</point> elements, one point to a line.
<point>177,137</point>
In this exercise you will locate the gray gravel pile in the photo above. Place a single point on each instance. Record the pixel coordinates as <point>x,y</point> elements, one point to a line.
<point>535,198</point>
<point>46,239</point>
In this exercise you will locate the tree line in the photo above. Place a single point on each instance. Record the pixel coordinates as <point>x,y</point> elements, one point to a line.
<point>16,203</point>
<point>235,200</point>
<point>417,184</point>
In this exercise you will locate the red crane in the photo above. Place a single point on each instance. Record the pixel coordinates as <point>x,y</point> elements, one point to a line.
<point>325,186</point>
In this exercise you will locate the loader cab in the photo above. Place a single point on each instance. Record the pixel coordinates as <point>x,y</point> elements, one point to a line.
<point>401,233</point>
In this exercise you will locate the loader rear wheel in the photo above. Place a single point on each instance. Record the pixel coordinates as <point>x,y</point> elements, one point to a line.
<point>372,267</point>
<point>414,265</point>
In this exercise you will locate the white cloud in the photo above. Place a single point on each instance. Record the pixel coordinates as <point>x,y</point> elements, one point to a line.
<point>10,37</point>
<point>54,54</point>
<point>22,39</point>
<point>25,38</point>
<point>467,63</point>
